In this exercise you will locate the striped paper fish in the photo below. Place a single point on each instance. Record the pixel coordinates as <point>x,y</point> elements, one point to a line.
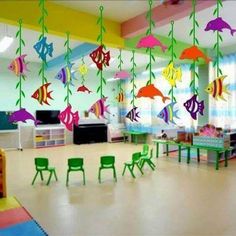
<point>168,114</point>
<point>217,88</point>
<point>42,94</point>
<point>69,118</point>
<point>18,65</point>
<point>99,108</point>
<point>65,75</point>
<point>120,97</point>
<point>133,114</point>
<point>100,57</point>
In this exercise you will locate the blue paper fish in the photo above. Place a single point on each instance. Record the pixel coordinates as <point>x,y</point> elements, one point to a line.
<point>168,114</point>
<point>193,106</point>
<point>65,75</point>
<point>43,48</point>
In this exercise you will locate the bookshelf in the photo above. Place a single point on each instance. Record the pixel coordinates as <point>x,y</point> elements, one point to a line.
<point>3,188</point>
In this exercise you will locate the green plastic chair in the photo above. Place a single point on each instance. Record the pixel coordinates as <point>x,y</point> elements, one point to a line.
<point>147,159</point>
<point>75,164</point>
<point>145,150</point>
<point>135,162</point>
<point>41,164</point>
<point>107,162</point>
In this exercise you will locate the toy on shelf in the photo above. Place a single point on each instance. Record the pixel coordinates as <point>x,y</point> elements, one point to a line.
<point>210,131</point>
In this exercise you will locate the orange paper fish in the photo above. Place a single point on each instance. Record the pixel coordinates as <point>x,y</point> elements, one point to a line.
<point>194,53</point>
<point>42,94</point>
<point>120,97</point>
<point>151,91</point>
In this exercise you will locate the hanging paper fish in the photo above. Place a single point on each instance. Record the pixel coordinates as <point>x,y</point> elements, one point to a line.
<point>121,75</point>
<point>65,75</point>
<point>151,91</point>
<point>172,74</point>
<point>193,106</point>
<point>219,24</point>
<point>22,115</point>
<point>99,108</point>
<point>168,114</point>
<point>150,42</point>
<point>216,88</point>
<point>18,65</point>
<point>100,58</point>
<point>194,53</point>
<point>120,97</point>
<point>43,48</point>
<point>170,2</point>
<point>42,94</point>
<point>69,118</point>
<point>133,114</point>
<point>83,69</point>
<point>82,88</point>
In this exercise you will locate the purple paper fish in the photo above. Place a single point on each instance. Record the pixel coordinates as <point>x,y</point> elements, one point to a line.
<point>65,75</point>
<point>168,114</point>
<point>193,106</point>
<point>219,24</point>
<point>22,115</point>
<point>133,114</point>
<point>150,42</point>
<point>122,75</point>
<point>99,108</point>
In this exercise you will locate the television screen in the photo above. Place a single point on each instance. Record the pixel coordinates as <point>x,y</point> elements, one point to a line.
<point>48,116</point>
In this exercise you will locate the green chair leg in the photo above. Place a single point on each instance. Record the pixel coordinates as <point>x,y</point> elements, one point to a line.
<point>124,170</point>
<point>114,174</point>
<point>140,169</point>
<point>41,175</point>
<point>179,152</point>
<point>151,164</point>
<point>131,171</point>
<point>99,175</point>
<point>157,150</point>
<point>67,178</point>
<point>83,177</point>
<point>35,177</point>
<point>198,155</point>
<point>54,171</point>
<point>49,179</point>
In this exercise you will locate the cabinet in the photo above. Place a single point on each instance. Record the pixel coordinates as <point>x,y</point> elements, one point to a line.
<point>49,136</point>
<point>3,189</point>
<point>232,137</point>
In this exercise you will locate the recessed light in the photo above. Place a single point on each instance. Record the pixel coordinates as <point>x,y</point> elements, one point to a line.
<point>5,43</point>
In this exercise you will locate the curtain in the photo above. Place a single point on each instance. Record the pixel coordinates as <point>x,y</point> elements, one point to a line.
<point>223,113</point>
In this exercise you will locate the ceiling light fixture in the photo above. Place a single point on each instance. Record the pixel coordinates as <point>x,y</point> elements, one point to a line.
<point>5,43</point>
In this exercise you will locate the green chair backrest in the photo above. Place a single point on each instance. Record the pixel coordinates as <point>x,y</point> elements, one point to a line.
<point>136,157</point>
<point>107,161</point>
<point>75,162</point>
<point>145,149</point>
<point>41,163</point>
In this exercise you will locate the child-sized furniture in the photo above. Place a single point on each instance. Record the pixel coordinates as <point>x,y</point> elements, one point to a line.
<point>107,162</point>
<point>3,188</point>
<point>75,164</point>
<point>135,162</point>
<point>147,159</point>
<point>145,150</point>
<point>41,164</point>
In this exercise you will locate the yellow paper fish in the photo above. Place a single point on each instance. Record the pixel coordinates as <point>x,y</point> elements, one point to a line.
<point>216,88</point>
<point>172,74</point>
<point>83,69</point>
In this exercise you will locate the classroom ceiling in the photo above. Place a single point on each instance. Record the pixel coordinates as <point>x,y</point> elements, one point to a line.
<point>115,10</point>
<point>206,39</point>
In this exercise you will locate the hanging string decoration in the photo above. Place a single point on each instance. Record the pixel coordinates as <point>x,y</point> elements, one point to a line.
<point>217,87</point>
<point>43,50</point>
<point>133,115</point>
<point>99,56</point>
<point>83,70</point>
<point>120,96</point>
<point>193,106</point>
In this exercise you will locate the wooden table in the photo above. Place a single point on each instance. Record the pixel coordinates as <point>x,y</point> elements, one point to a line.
<point>219,151</point>
<point>134,134</point>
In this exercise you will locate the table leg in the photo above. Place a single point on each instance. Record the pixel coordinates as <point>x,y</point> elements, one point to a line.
<point>167,150</point>
<point>136,138</point>
<point>188,155</point>
<point>217,160</point>
<point>226,158</point>
<point>179,147</point>
<point>124,138</point>
<point>157,150</point>
<point>198,155</point>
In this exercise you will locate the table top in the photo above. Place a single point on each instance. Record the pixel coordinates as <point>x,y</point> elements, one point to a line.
<point>133,132</point>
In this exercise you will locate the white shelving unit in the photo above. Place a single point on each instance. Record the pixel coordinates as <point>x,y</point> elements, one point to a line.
<point>49,136</point>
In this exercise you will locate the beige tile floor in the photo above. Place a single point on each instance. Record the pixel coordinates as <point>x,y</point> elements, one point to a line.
<point>176,199</point>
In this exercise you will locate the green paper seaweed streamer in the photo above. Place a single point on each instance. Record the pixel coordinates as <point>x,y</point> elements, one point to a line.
<point>68,63</point>
<point>44,30</point>
<point>149,50</point>
<point>132,81</point>
<point>173,57</point>
<point>100,41</point>
<point>192,33</point>
<point>120,68</point>
<point>82,75</point>
<point>219,39</point>
<point>19,53</point>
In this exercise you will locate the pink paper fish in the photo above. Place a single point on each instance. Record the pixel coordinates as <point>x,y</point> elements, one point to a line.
<point>99,108</point>
<point>122,75</point>
<point>68,118</point>
<point>150,42</point>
